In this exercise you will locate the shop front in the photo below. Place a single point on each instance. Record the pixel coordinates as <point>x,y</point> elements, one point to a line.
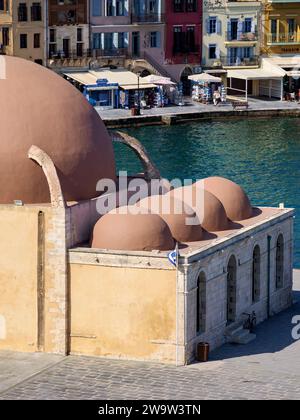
<point>207,88</point>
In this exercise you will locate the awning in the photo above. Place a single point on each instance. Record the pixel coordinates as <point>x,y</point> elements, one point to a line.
<point>141,86</point>
<point>285,61</point>
<point>293,73</point>
<point>158,80</point>
<point>124,78</point>
<point>254,74</point>
<point>85,78</point>
<point>205,77</point>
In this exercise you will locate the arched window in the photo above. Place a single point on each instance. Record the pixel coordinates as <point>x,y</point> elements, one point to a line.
<point>201,304</point>
<point>231,289</point>
<point>256,275</point>
<point>279,261</point>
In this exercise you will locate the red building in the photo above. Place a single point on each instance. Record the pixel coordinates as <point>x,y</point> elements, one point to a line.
<point>183,31</point>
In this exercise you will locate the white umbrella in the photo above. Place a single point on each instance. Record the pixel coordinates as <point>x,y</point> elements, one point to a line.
<point>158,80</point>
<point>205,77</point>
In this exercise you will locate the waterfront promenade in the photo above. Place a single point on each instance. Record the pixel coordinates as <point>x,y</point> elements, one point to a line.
<point>114,118</point>
<point>267,368</point>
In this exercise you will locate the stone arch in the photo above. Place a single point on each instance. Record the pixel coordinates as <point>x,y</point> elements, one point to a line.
<point>150,170</point>
<point>256,258</point>
<point>41,158</point>
<point>279,261</point>
<point>184,79</point>
<point>231,289</point>
<point>201,303</point>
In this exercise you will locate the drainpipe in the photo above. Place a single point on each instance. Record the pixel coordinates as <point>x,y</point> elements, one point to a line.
<point>269,276</point>
<point>41,282</point>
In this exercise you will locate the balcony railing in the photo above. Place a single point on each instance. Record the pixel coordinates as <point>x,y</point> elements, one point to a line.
<point>241,36</point>
<point>88,53</point>
<point>283,38</point>
<point>186,50</point>
<point>228,61</point>
<point>147,18</point>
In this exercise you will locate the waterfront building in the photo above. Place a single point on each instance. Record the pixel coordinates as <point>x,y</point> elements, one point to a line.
<point>6,34</point>
<point>232,43</point>
<point>110,88</point>
<point>231,33</point>
<point>183,48</point>
<point>128,33</point>
<point>68,34</point>
<point>23,29</point>
<point>281,27</point>
<point>73,281</point>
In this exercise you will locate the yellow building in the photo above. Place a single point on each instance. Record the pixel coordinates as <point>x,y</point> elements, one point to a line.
<point>6,36</point>
<point>23,29</point>
<point>281,42</point>
<point>282,27</point>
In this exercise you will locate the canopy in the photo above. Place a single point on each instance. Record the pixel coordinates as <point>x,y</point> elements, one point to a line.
<point>255,74</point>
<point>158,80</point>
<point>124,78</point>
<point>205,77</point>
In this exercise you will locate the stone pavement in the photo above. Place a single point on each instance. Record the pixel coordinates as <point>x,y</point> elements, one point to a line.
<point>268,368</point>
<point>194,107</point>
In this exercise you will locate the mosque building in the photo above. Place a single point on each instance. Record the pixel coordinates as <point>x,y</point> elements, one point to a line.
<point>75,282</point>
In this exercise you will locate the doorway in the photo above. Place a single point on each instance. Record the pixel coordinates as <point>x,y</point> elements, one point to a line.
<point>136,44</point>
<point>186,83</point>
<point>233,29</point>
<point>231,289</point>
<point>66,47</point>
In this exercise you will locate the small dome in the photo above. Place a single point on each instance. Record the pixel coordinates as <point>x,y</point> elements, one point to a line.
<point>124,231</point>
<point>40,108</point>
<point>209,209</point>
<point>231,195</point>
<point>181,218</point>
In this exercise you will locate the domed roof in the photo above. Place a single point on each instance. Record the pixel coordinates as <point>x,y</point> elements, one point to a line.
<point>231,195</point>
<point>209,209</point>
<point>181,219</point>
<point>121,230</point>
<point>40,108</point>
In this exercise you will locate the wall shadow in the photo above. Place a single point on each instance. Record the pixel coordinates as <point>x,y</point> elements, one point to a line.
<point>272,335</point>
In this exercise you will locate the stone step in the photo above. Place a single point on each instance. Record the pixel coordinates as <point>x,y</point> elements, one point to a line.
<point>241,337</point>
<point>234,328</point>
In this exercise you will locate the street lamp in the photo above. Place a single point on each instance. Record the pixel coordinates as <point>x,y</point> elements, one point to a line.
<point>139,102</point>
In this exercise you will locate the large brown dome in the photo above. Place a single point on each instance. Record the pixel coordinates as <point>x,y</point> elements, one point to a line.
<point>40,108</point>
<point>124,231</point>
<point>208,208</point>
<point>231,195</point>
<point>181,218</point>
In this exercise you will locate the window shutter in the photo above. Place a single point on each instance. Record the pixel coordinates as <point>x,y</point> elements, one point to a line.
<point>240,29</point>
<point>158,39</point>
<point>217,52</point>
<point>219,27</point>
<point>252,25</point>
<point>115,40</point>
<point>229,30</point>
<point>207,26</point>
<point>126,39</point>
<point>126,8</point>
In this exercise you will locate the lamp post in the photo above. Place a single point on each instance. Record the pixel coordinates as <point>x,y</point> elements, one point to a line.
<point>139,102</point>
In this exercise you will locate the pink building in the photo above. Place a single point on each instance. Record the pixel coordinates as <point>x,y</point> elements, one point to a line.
<point>130,28</point>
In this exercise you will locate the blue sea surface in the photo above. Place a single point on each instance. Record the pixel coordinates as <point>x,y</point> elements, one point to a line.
<point>263,156</point>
